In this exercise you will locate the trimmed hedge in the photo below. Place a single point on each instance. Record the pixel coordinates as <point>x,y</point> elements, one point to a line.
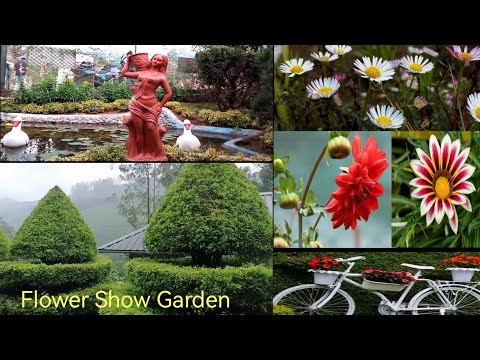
<point>211,210</point>
<point>282,310</point>
<point>248,287</point>
<point>12,305</point>
<point>18,276</point>
<point>4,246</point>
<point>55,232</point>
<point>290,269</point>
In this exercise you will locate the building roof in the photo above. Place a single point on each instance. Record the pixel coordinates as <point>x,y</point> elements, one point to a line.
<point>133,243</point>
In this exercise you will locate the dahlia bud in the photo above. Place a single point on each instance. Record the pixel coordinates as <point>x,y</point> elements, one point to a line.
<point>280,243</point>
<point>316,244</point>
<point>420,102</point>
<point>339,147</point>
<point>278,166</point>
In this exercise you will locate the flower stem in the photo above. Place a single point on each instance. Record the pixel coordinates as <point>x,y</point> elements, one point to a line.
<point>305,192</point>
<point>320,215</point>
<point>364,111</point>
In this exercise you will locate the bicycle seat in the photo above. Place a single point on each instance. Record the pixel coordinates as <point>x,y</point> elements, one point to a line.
<point>419,267</point>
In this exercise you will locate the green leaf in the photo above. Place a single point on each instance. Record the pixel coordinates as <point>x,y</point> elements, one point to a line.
<point>402,200</point>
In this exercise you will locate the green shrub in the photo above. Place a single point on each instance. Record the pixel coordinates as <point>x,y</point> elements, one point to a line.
<point>248,287</point>
<point>71,107</point>
<point>262,104</point>
<point>4,246</point>
<point>31,109</point>
<point>230,118</point>
<point>121,104</point>
<point>173,105</point>
<point>211,210</point>
<point>290,269</point>
<point>18,276</point>
<point>282,310</point>
<point>8,107</point>
<point>70,92</point>
<point>268,136</point>
<point>110,91</point>
<point>54,108</point>
<point>92,106</point>
<point>55,232</point>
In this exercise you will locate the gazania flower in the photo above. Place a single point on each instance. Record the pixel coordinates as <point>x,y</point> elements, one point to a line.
<point>375,70</point>
<point>322,88</point>
<point>295,67</point>
<point>416,65</point>
<point>473,102</point>
<point>442,180</point>
<point>386,117</point>
<point>465,55</point>
<point>327,57</point>
<point>338,49</point>
<point>358,189</point>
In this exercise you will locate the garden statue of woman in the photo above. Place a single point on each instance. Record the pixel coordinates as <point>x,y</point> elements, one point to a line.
<point>145,135</point>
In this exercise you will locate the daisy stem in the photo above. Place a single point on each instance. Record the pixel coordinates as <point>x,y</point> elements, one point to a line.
<point>305,192</point>
<point>364,111</point>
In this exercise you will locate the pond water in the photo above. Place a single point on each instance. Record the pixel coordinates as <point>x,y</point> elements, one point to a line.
<point>48,141</point>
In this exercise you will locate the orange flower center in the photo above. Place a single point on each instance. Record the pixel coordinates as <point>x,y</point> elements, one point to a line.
<point>442,188</point>
<point>466,56</point>
<point>373,73</point>
<point>296,69</point>
<point>416,67</point>
<point>324,91</point>
<point>477,112</point>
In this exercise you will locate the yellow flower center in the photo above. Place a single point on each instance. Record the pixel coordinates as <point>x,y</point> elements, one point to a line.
<point>384,121</point>
<point>324,91</point>
<point>339,51</point>
<point>416,67</point>
<point>466,56</point>
<point>324,58</point>
<point>442,187</point>
<point>477,112</point>
<point>372,72</point>
<point>296,69</point>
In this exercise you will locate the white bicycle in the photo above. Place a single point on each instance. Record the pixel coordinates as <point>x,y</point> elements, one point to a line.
<point>439,298</point>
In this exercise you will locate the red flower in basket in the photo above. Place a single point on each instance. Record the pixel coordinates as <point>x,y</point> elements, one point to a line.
<point>463,261</point>
<point>323,264</point>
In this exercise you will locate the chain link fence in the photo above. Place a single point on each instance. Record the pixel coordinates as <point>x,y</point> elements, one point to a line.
<point>94,64</point>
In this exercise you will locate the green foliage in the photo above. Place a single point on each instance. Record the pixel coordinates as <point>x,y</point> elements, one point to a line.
<point>262,103</point>
<point>31,109</point>
<point>7,229</point>
<point>18,276</point>
<point>70,92</point>
<point>248,287</point>
<point>282,310</point>
<point>230,118</point>
<point>406,210</point>
<point>209,211</point>
<point>4,246</point>
<point>8,107</point>
<point>268,136</point>
<point>121,104</point>
<point>55,232</point>
<point>92,106</point>
<point>290,269</point>
<point>232,74</point>
<point>110,91</point>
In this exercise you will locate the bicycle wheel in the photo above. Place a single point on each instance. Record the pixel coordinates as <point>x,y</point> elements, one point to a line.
<point>465,301</point>
<point>299,298</point>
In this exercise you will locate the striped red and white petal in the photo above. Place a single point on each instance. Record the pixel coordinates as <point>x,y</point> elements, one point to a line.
<point>420,183</point>
<point>439,211</point>
<point>457,199</point>
<point>425,159</point>
<point>467,205</point>
<point>435,151</point>
<point>465,187</point>
<point>421,170</point>
<point>420,193</point>
<point>454,221</point>
<point>430,215</point>
<point>448,207</point>
<point>445,151</point>
<point>459,161</point>
<point>454,151</point>
<point>464,174</point>
<point>427,203</point>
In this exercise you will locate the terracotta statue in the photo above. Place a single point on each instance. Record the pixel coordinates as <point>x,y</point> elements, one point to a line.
<point>144,134</point>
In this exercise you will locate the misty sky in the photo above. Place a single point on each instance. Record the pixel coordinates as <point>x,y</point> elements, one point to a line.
<point>31,181</point>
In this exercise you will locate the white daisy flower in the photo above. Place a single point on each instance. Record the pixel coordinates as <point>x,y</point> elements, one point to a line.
<point>295,67</point>
<point>322,88</point>
<point>417,65</point>
<point>338,49</point>
<point>430,52</point>
<point>327,57</point>
<point>474,105</point>
<point>375,70</point>
<point>415,50</point>
<point>386,117</point>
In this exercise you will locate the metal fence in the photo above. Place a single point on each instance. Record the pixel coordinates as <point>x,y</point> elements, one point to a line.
<point>102,62</point>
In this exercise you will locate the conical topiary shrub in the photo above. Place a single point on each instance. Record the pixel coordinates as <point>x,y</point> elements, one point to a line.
<point>55,232</point>
<point>4,246</point>
<point>211,210</point>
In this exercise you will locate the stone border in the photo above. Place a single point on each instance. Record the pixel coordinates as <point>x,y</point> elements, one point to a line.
<point>116,119</point>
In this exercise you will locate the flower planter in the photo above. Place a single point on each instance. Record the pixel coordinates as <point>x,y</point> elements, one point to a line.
<point>381,286</point>
<point>325,277</point>
<point>462,274</point>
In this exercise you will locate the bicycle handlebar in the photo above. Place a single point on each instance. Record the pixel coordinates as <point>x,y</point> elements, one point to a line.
<point>356,258</point>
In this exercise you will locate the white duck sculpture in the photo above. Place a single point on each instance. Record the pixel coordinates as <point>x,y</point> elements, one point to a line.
<point>16,137</point>
<point>188,141</point>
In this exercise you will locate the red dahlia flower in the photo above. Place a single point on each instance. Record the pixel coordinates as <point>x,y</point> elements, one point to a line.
<point>358,189</point>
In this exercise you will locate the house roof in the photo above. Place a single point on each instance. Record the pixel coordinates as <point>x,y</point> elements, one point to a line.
<point>133,243</point>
